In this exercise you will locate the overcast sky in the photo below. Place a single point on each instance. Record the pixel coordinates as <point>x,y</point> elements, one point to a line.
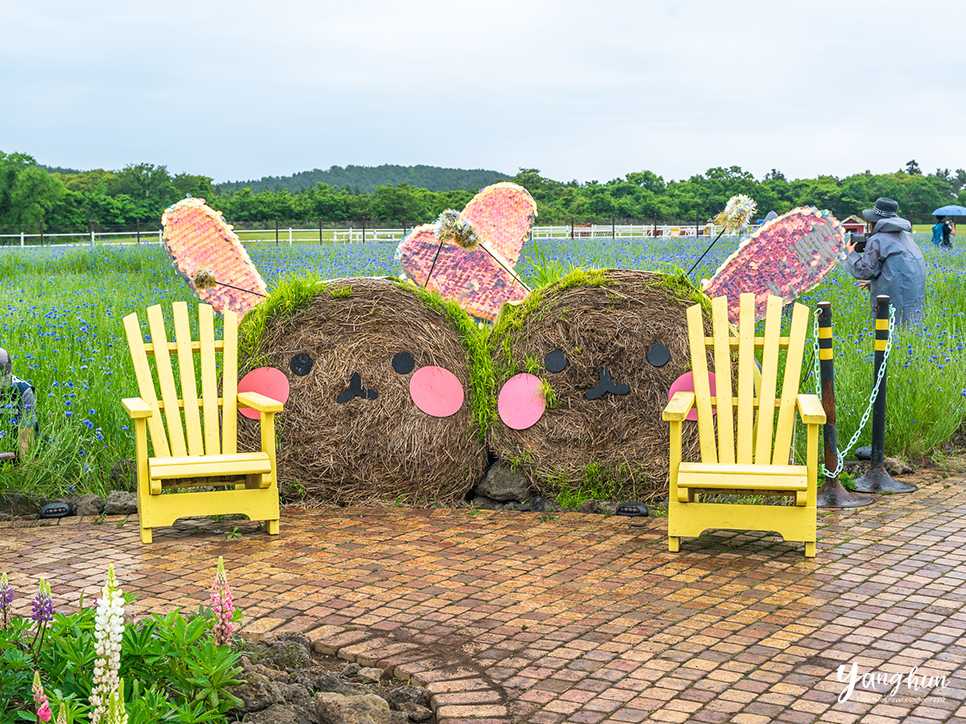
<point>585,90</point>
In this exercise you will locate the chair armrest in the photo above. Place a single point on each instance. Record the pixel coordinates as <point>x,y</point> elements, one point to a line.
<point>259,402</point>
<point>679,406</point>
<point>811,410</point>
<point>136,408</point>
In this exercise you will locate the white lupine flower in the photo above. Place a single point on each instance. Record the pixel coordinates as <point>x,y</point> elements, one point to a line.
<point>108,631</point>
<point>116,713</point>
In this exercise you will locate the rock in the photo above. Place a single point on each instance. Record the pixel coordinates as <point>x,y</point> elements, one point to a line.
<point>351,669</point>
<point>19,504</point>
<point>338,709</point>
<point>539,504</point>
<point>589,506</point>
<point>398,717</point>
<point>894,466</point>
<point>331,683</point>
<point>416,695</point>
<point>608,507</point>
<point>369,674</point>
<point>121,503</point>
<point>88,505</point>
<point>288,651</point>
<point>124,475</point>
<point>484,503</point>
<point>502,484</point>
<point>297,695</point>
<point>257,692</point>
<point>415,712</point>
<point>280,714</point>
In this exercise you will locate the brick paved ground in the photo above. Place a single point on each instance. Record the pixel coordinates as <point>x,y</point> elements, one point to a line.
<point>510,617</point>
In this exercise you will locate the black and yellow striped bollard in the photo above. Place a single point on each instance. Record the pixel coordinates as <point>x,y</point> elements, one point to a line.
<point>877,479</point>
<point>831,494</point>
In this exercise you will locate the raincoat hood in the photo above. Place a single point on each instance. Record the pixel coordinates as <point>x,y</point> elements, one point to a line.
<point>893,223</point>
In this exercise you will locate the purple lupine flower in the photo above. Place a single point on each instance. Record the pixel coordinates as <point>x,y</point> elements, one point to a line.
<point>43,607</point>
<point>6,598</point>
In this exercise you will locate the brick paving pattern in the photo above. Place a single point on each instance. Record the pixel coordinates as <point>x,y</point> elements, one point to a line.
<point>518,617</point>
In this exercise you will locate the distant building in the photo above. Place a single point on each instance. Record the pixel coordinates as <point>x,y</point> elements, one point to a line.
<point>855,224</point>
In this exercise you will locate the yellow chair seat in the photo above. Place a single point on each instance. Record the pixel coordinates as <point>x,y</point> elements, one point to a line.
<point>719,477</point>
<point>204,466</point>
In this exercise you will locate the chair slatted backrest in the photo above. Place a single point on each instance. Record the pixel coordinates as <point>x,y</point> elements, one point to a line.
<point>747,431</point>
<point>190,425</point>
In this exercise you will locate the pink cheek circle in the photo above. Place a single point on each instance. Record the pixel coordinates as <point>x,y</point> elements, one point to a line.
<point>266,381</point>
<point>436,391</point>
<point>685,383</point>
<point>521,402</point>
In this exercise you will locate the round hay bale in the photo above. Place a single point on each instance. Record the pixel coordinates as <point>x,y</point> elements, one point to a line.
<point>604,323</point>
<point>350,431</point>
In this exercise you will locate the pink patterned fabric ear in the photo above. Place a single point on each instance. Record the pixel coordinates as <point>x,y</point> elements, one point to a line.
<point>498,219</point>
<point>785,257</point>
<point>208,254</point>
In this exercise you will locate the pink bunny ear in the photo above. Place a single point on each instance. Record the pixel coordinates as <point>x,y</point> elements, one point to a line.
<point>502,214</point>
<point>785,257</point>
<point>199,241</point>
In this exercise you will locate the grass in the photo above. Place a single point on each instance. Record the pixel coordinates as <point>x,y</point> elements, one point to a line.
<point>62,312</point>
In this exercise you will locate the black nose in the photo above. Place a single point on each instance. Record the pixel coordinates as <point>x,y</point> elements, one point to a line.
<point>354,390</point>
<point>606,385</point>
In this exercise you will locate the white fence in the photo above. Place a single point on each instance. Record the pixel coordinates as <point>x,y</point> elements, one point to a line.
<point>353,235</point>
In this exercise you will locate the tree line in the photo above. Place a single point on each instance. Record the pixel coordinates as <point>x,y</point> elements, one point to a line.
<point>63,200</point>
<point>368,178</point>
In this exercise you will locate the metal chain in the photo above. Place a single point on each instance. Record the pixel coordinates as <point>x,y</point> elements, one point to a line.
<point>840,454</point>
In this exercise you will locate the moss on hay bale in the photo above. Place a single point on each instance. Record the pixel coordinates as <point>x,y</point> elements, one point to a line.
<point>378,446</point>
<point>615,446</point>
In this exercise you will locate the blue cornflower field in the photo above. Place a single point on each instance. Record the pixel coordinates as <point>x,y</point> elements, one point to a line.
<point>63,311</point>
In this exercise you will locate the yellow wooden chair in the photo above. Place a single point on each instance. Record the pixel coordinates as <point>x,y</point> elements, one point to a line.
<point>750,453</point>
<point>199,446</point>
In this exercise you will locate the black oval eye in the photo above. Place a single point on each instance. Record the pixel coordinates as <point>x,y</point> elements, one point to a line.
<point>658,355</point>
<point>555,361</point>
<point>403,363</point>
<point>301,364</point>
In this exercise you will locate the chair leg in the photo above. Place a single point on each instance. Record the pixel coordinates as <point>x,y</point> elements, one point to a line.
<point>673,543</point>
<point>809,550</point>
<point>145,535</point>
<point>272,527</point>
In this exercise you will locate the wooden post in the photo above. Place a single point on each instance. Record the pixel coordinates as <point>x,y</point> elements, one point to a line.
<point>276,232</point>
<point>571,227</point>
<point>697,219</point>
<point>139,230</point>
<point>654,231</point>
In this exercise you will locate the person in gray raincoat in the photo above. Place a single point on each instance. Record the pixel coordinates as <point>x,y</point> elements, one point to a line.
<point>892,263</point>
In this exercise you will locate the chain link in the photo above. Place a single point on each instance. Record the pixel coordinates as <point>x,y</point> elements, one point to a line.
<point>840,454</point>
